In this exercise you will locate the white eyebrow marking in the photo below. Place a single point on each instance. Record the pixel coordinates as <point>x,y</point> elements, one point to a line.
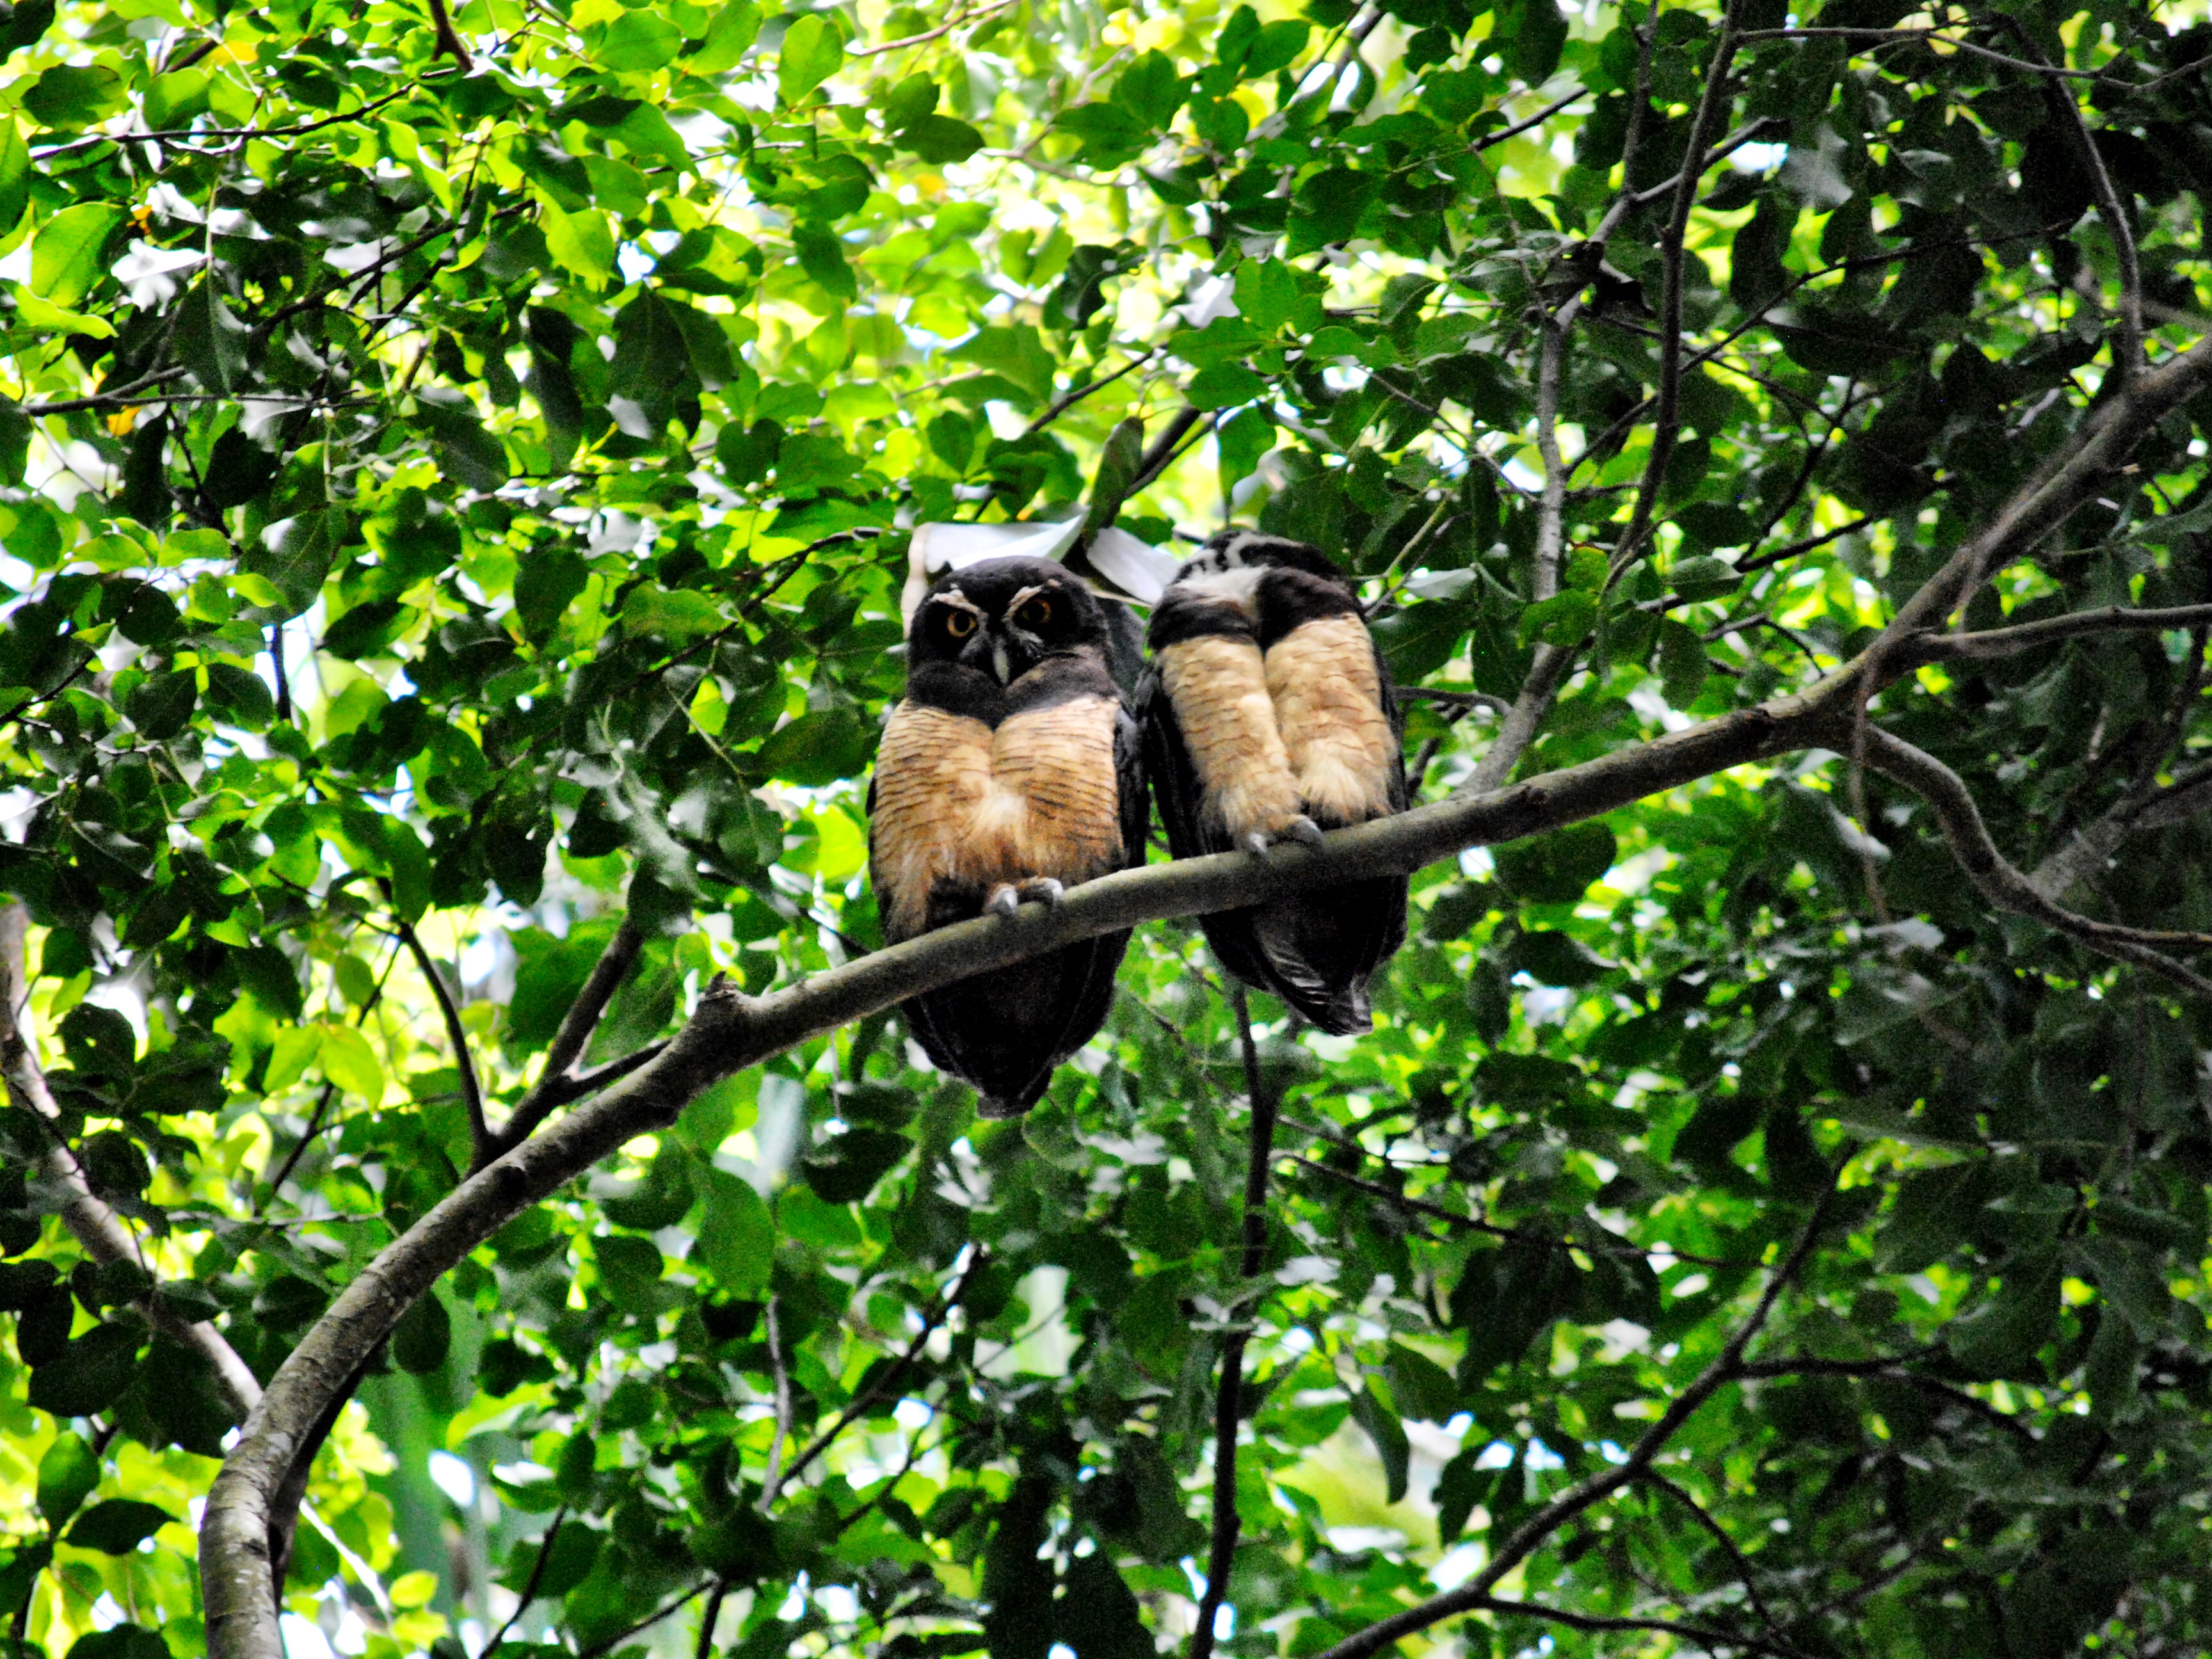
<point>1026,595</point>
<point>959,601</point>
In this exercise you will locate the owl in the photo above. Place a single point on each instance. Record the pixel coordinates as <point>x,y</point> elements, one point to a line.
<point>1010,771</point>
<point>1268,715</point>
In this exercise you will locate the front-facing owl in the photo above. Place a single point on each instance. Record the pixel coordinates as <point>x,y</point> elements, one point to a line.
<point>1268,716</point>
<point>1010,771</point>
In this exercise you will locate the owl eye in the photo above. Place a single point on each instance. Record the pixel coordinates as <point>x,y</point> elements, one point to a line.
<point>1035,614</point>
<point>959,624</point>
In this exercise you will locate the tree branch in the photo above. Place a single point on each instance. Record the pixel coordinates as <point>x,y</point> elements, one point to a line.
<point>568,1042</point>
<point>481,1138</point>
<point>2008,641</point>
<point>528,1592</point>
<point>729,1031</point>
<point>772,1476</point>
<point>2128,350</point>
<point>1734,1551</point>
<point>89,1219</point>
<point>1705,1635</point>
<point>1227,1398</point>
<point>1526,1538</point>
<point>1997,881</point>
<point>883,1384</point>
<point>1667,419</point>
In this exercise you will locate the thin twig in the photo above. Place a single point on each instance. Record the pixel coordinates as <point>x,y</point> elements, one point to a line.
<point>676,1604</point>
<point>2128,351</point>
<point>708,1620</point>
<point>1499,1229</point>
<point>772,1479</point>
<point>883,1385</point>
<point>568,1042</point>
<point>2004,886</point>
<point>1729,1546</point>
<point>480,1136</point>
<point>1667,418</point>
<point>2025,636</point>
<point>1725,1368</point>
<point>1705,1635</point>
<point>941,30</point>
<point>275,1182</point>
<point>1228,1407</point>
<point>529,1593</point>
<point>1521,126</point>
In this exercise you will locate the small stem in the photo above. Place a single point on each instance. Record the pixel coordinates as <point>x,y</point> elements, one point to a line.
<point>480,1136</point>
<point>772,1480</point>
<point>1228,1397</point>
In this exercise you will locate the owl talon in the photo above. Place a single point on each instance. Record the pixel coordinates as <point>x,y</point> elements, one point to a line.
<point>1042,889</point>
<point>1253,841</point>
<point>1304,831</point>
<point>1003,902</point>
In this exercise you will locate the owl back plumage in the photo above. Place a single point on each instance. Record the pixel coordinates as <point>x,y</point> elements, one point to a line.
<point>1268,715</point>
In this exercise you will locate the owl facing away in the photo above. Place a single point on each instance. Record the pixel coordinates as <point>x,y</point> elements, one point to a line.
<point>1268,715</point>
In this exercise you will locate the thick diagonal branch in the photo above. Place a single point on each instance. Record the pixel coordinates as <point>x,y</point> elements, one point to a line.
<point>88,1216</point>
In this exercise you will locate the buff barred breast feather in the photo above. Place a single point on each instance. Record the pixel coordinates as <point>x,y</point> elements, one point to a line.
<point>1010,771</point>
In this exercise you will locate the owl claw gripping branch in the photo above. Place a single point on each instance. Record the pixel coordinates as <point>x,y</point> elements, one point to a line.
<point>1012,771</point>
<point>1008,772</point>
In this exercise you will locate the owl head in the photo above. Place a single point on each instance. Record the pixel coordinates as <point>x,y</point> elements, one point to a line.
<point>1234,552</point>
<point>1004,617</point>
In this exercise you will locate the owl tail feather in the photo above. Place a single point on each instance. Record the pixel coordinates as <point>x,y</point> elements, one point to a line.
<point>1000,1106</point>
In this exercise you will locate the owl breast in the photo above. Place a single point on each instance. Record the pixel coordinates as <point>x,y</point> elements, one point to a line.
<point>958,801</point>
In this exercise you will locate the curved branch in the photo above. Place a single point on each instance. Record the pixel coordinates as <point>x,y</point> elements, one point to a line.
<point>1726,1367</point>
<point>88,1216</point>
<point>1733,1550</point>
<point>1996,879</point>
<point>1705,1635</point>
<point>2026,636</point>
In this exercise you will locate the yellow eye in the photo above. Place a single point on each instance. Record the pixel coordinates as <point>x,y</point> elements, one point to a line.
<point>959,623</point>
<point>1035,614</point>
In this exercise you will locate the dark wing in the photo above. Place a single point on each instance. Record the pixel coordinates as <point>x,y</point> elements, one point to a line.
<point>1136,810</point>
<point>1387,688</point>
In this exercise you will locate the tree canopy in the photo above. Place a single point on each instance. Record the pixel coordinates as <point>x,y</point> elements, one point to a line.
<point>466,1190</point>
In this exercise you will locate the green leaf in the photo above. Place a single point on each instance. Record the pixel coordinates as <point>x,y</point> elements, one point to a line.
<point>1683,665</point>
<point>67,1474</point>
<point>1561,620</point>
<point>813,47</point>
<point>67,255</point>
<point>2001,1337</point>
<point>1327,210</point>
<point>730,35</point>
<point>1223,386</point>
<point>1110,134</point>
<point>15,178</point>
<point>70,96</point>
<point>637,43</point>
<point>1150,90</point>
<point>821,257</point>
<point>1557,868</point>
<point>737,1234</point>
<point>846,1169</point>
<point>89,1373</point>
<point>941,140</point>
<point>117,1526</point>
<point>424,1334</point>
<point>579,241</point>
<point>1388,1435</point>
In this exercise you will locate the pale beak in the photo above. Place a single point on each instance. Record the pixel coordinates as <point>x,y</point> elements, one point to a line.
<point>1001,664</point>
